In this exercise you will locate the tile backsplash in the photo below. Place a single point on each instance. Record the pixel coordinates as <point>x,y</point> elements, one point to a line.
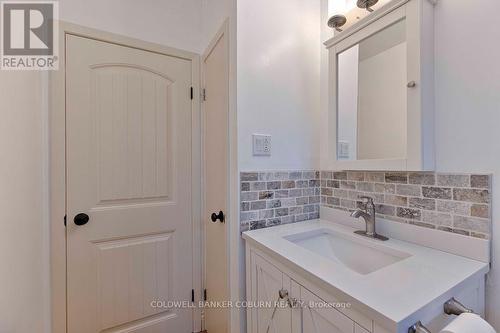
<point>457,203</point>
<point>278,197</point>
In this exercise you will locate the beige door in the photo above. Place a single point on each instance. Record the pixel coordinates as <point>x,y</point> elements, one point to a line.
<point>215,138</point>
<point>128,119</point>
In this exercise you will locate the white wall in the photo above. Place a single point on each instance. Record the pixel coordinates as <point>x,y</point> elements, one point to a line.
<point>278,89</point>
<point>24,254</point>
<point>214,13</point>
<point>468,106</point>
<point>278,82</point>
<point>175,23</point>
<point>326,33</point>
<point>24,226</point>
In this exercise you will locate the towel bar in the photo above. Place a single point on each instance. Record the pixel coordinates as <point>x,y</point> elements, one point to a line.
<point>418,328</point>
<point>454,307</point>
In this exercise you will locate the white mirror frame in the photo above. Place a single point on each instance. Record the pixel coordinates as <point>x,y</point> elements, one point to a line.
<point>420,68</point>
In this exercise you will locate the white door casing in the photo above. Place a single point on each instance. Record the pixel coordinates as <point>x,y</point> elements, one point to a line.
<point>215,117</point>
<point>128,155</point>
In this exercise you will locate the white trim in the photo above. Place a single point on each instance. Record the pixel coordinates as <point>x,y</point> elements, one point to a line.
<point>46,201</point>
<point>464,246</point>
<point>57,190</point>
<point>57,170</point>
<point>248,276</point>
<point>196,188</point>
<point>236,244</point>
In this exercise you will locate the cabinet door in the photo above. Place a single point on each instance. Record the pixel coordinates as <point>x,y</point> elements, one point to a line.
<point>296,308</point>
<point>359,329</point>
<point>267,281</point>
<point>320,319</point>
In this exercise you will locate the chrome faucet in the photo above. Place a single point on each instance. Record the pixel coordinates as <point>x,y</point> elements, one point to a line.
<point>368,214</point>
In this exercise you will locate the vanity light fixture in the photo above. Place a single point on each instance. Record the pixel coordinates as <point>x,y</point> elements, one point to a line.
<point>367,4</point>
<point>337,21</point>
<point>339,9</point>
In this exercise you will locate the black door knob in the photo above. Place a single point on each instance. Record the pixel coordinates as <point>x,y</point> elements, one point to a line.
<point>219,217</point>
<point>81,219</point>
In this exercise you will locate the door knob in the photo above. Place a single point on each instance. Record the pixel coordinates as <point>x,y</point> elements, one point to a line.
<point>411,84</point>
<point>219,217</point>
<point>81,219</point>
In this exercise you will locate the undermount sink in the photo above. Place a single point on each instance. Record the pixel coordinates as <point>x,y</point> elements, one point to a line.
<point>359,255</point>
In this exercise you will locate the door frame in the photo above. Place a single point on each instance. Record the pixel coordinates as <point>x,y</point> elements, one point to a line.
<point>57,165</point>
<point>233,239</point>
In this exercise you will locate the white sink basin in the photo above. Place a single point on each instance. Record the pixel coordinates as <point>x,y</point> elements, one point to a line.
<point>359,255</point>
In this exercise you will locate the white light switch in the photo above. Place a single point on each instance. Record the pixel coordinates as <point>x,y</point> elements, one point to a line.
<point>261,145</point>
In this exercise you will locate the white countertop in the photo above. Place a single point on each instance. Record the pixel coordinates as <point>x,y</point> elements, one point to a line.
<point>395,292</point>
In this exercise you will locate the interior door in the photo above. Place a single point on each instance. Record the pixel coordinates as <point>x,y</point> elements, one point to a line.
<point>129,220</point>
<point>216,144</point>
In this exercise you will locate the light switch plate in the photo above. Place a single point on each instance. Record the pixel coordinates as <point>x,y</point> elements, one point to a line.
<point>343,149</point>
<point>261,145</point>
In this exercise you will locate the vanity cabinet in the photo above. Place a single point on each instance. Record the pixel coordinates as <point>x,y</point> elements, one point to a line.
<point>314,307</point>
<point>381,90</point>
<point>305,312</point>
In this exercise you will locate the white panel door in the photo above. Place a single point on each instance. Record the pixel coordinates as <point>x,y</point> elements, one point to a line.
<point>216,143</point>
<point>267,281</point>
<point>320,319</point>
<point>128,123</point>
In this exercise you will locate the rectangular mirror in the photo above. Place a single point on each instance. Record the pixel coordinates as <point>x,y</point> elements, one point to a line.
<point>372,97</point>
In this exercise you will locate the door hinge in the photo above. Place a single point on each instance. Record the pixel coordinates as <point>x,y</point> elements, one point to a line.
<point>192,93</point>
<point>192,295</point>
<point>203,94</point>
<point>204,295</point>
<point>64,220</point>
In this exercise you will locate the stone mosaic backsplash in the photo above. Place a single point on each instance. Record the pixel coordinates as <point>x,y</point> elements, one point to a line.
<point>278,197</point>
<point>457,203</point>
